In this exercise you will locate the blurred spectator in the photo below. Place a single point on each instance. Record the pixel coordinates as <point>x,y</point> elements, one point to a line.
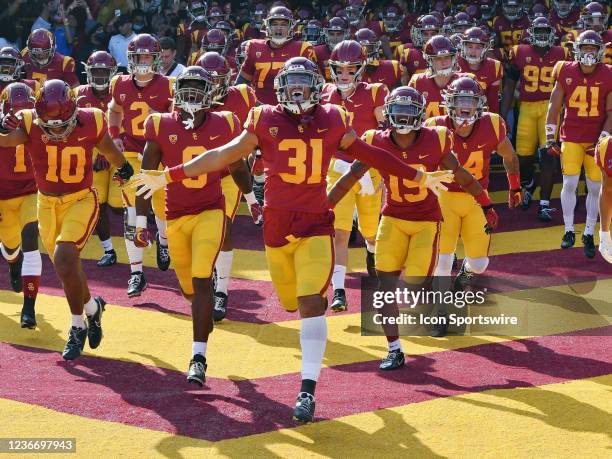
<point>169,66</point>
<point>108,10</point>
<point>63,29</point>
<point>49,9</point>
<point>118,43</point>
<point>139,22</point>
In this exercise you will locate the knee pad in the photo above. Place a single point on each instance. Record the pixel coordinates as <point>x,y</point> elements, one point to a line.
<point>478,265</point>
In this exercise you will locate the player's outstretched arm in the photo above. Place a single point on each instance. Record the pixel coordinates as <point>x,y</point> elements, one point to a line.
<point>552,117</point>
<point>346,182</point>
<point>384,161</point>
<point>107,147</point>
<point>151,158</point>
<point>511,164</point>
<point>13,138</point>
<point>149,181</point>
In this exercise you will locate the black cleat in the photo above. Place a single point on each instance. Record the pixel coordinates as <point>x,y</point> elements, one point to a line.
<point>137,284</point>
<point>589,245</point>
<point>527,198</point>
<point>163,255</point>
<point>544,213</point>
<point>197,370</point>
<point>440,329</point>
<point>15,274</point>
<point>94,324</point>
<point>108,259</point>
<point>393,361</point>
<point>75,344</point>
<point>463,279</point>
<point>370,263</point>
<point>304,408</point>
<point>28,316</point>
<point>569,239</point>
<point>220,306</point>
<point>339,302</point>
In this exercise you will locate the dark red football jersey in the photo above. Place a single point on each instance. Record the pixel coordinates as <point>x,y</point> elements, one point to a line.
<point>323,54</point>
<point>59,68</point>
<point>536,70</point>
<point>178,145</point>
<point>16,173</point>
<point>474,151</point>
<point>262,63</point>
<point>137,102</point>
<point>248,32</point>
<point>411,58</point>
<point>87,99</point>
<point>66,166</point>
<point>489,75</point>
<point>359,107</point>
<point>395,38</point>
<point>564,25</point>
<point>510,33</point>
<point>427,86</point>
<point>585,100</point>
<point>296,157</point>
<point>603,156</point>
<point>387,72</point>
<point>239,100</point>
<point>404,198</point>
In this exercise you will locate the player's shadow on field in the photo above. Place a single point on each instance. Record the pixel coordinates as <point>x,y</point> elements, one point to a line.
<point>45,335</point>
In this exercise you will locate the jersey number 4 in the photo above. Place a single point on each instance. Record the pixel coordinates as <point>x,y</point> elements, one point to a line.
<point>579,101</point>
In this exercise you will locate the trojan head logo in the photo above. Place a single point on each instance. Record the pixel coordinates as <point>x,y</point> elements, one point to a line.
<point>44,138</point>
<point>122,97</point>
<point>172,138</point>
<point>258,54</point>
<point>273,131</point>
<point>300,128</point>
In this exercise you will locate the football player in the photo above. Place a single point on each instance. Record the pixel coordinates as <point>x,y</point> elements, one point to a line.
<point>476,135</point>
<point>510,26</point>
<point>473,48</point>
<point>60,139</point>
<point>235,180</point>
<point>603,156</point>
<point>462,22</point>
<point>394,26</point>
<point>337,30</point>
<point>594,16</point>
<point>195,206</point>
<point>254,28</point>
<point>133,98</point>
<point>43,63</point>
<point>11,67</point>
<point>100,69</point>
<point>387,72</point>
<point>564,15</point>
<point>530,66</point>
<point>584,88</point>
<point>442,68</point>
<point>363,104</point>
<point>312,32</point>
<point>264,58</point>
<point>297,138</point>
<point>411,57</point>
<point>409,231</point>
<point>18,225</point>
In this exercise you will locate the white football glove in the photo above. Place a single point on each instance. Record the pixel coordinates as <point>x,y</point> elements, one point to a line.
<point>148,182</point>
<point>367,187</point>
<point>435,180</point>
<point>605,245</point>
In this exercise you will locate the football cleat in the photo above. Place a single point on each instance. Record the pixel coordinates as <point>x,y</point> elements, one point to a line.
<point>304,408</point>
<point>137,284</point>
<point>108,259</point>
<point>15,274</point>
<point>220,306</point>
<point>28,316</point>
<point>163,255</point>
<point>393,361</point>
<point>463,279</point>
<point>370,263</point>
<point>75,344</point>
<point>544,213</point>
<point>569,239</point>
<point>339,302</point>
<point>440,329</point>
<point>589,245</point>
<point>197,370</point>
<point>527,198</point>
<point>94,324</point>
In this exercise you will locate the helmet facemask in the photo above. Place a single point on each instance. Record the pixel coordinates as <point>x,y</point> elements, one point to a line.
<point>298,91</point>
<point>41,56</point>
<point>590,57</point>
<point>191,96</point>
<point>279,31</point>
<point>99,77</point>
<point>464,109</point>
<point>470,52</point>
<point>447,70</point>
<point>404,114</point>
<point>346,75</point>
<point>137,67</point>
<point>335,36</point>
<point>58,130</point>
<point>10,69</point>
<point>221,85</point>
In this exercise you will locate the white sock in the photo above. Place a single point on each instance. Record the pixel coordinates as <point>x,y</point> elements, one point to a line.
<point>370,247</point>
<point>477,265</point>
<point>338,276</point>
<point>544,202</point>
<point>161,229</point>
<point>135,256</point>
<point>592,206</point>
<point>107,245</point>
<point>445,264</point>
<point>313,338</point>
<point>568,200</point>
<point>91,307</point>
<point>395,345</point>
<point>224,268</point>
<point>198,347</point>
<point>8,257</point>
<point>78,321</point>
<point>32,263</point>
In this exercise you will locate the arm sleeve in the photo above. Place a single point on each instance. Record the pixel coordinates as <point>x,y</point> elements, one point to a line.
<point>380,159</point>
